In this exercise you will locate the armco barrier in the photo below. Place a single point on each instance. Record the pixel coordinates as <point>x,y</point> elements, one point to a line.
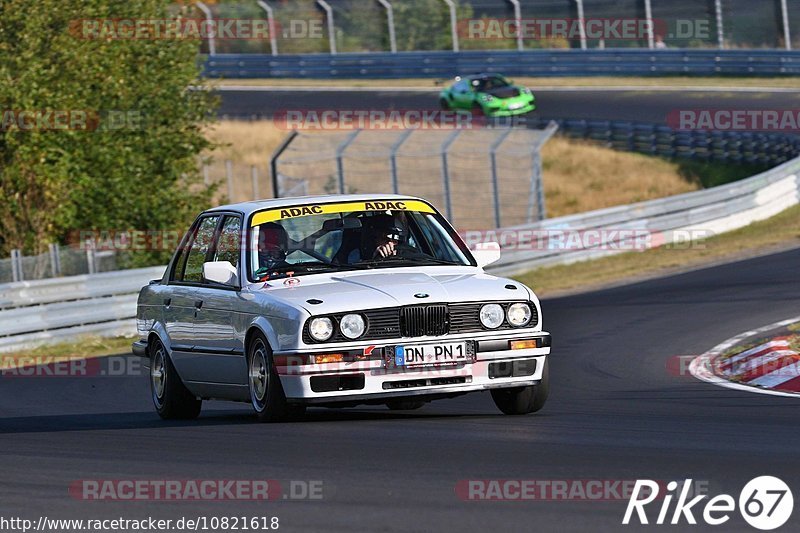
<point>709,211</point>
<point>63,308</point>
<point>440,64</point>
<point>33,312</point>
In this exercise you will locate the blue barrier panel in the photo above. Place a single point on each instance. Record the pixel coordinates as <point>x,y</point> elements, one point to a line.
<point>616,62</point>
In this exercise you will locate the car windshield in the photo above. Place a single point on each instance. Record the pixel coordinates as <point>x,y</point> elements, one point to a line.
<point>315,238</point>
<point>490,83</point>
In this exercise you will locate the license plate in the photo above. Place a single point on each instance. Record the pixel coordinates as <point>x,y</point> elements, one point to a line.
<point>430,354</point>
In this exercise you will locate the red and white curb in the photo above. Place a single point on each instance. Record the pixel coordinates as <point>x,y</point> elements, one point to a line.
<point>770,368</point>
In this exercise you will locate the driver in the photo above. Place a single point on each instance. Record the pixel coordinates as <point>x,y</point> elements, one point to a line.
<point>273,243</point>
<point>381,238</point>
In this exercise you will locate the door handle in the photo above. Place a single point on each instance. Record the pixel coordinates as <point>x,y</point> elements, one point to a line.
<point>167,301</point>
<point>198,303</point>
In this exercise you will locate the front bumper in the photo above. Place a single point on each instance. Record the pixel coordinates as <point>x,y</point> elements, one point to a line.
<point>493,365</point>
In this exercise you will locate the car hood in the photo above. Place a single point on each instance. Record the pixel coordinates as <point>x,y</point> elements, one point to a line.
<point>505,92</point>
<point>374,289</point>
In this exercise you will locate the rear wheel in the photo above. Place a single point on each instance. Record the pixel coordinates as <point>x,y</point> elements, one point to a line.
<point>171,398</point>
<point>444,104</point>
<point>266,392</point>
<point>523,400</point>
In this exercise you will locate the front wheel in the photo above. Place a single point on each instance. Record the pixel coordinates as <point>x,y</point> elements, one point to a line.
<point>523,400</point>
<point>266,392</point>
<point>171,398</point>
<point>444,104</point>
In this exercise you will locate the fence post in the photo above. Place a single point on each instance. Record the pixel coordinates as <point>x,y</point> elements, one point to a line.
<point>55,259</point>
<point>448,205</point>
<point>90,256</point>
<point>16,265</point>
<point>581,26</point>
<point>720,32</point>
<point>273,41</point>
<point>340,158</point>
<point>254,176</point>
<point>273,162</point>
<point>787,36</point>
<point>518,20</point>
<point>393,158</point>
<point>648,15</point>
<point>453,24</point>
<point>212,45</point>
<point>390,19</point>
<point>536,191</point>
<point>229,176</point>
<point>495,184</point>
<point>331,27</point>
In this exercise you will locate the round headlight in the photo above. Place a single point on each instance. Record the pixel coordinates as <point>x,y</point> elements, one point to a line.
<point>352,326</point>
<point>518,314</point>
<point>492,316</point>
<point>321,328</point>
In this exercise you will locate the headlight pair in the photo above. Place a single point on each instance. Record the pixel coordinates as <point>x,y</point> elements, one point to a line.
<point>352,326</point>
<point>518,314</point>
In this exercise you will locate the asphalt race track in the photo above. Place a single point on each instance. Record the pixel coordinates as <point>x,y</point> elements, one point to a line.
<point>642,106</point>
<point>614,413</point>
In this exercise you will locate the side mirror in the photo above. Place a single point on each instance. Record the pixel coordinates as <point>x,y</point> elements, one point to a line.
<point>486,253</point>
<point>222,272</point>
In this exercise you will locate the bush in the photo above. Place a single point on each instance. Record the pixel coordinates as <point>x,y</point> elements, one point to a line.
<point>141,174</point>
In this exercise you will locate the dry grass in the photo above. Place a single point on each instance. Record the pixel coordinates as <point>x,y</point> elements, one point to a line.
<point>88,346</point>
<point>599,81</point>
<point>578,176</point>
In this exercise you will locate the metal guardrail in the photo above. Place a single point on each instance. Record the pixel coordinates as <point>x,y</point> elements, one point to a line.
<point>665,221</point>
<point>538,63</point>
<point>33,312</point>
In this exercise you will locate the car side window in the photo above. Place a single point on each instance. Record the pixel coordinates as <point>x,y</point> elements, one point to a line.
<point>203,238</point>
<point>229,243</point>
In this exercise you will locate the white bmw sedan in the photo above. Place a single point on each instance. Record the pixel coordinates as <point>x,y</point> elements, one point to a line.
<point>336,301</point>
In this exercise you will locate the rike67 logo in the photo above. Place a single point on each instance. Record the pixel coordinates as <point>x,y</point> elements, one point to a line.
<point>765,503</point>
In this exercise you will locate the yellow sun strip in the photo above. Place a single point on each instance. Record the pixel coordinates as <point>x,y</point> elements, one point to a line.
<point>272,215</point>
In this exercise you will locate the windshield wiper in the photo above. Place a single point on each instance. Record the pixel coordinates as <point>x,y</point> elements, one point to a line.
<point>306,267</point>
<point>413,260</point>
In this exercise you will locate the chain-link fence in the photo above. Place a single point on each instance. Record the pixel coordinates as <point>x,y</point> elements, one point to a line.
<point>482,178</point>
<point>341,26</point>
<point>57,261</point>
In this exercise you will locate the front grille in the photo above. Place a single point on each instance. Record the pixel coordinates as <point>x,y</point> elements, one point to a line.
<point>418,321</point>
<point>422,320</point>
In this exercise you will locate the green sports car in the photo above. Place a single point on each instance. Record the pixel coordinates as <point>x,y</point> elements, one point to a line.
<point>490,94</point>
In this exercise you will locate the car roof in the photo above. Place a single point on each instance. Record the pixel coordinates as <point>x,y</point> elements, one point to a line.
<point>247,208</point>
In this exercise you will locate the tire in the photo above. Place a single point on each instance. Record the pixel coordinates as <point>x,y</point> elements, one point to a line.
<point>444,104</point>
<point>404,404</point>
<point>171,398</point>
<point>523,400</point>
<point>266,392</point>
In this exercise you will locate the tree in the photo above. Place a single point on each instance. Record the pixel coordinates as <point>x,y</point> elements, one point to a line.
<point>132,165</point>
